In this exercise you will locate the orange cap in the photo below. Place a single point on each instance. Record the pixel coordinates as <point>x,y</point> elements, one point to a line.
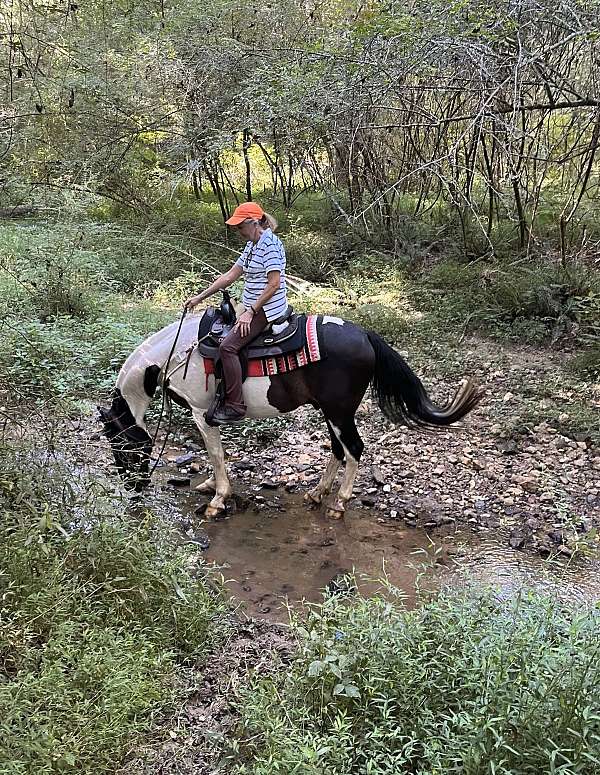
<point>245,211</point>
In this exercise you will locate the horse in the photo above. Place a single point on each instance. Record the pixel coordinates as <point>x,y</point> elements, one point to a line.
<point>355,358</point>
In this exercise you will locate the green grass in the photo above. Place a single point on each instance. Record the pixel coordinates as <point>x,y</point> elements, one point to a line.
<point>97,610</point>
<point>466,683</point>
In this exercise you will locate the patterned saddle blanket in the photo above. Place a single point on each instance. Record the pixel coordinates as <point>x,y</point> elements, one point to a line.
<point>281,348</point>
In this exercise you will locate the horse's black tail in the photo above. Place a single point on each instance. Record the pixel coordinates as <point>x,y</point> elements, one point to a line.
<point>402,397</point>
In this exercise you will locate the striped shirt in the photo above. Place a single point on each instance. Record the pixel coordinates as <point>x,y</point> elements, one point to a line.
<point>257,260</point>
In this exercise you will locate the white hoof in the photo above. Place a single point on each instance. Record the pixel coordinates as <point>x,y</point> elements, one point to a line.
<point>313,498</point>
<point>213,511</point>
<point>336,512</point>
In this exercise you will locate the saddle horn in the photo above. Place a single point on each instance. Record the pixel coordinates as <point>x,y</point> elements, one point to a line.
<point>227,309</point>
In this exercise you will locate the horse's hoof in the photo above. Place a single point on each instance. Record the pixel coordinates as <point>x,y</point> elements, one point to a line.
<point>335,513</point>
<point>213,511</point>
<point>313,499</point>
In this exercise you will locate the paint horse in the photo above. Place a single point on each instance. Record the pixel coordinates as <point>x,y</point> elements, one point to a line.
<point>331,372</point>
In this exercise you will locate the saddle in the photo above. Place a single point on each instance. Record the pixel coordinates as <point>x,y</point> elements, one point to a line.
<point>286,334</point>
<point>283,335</point>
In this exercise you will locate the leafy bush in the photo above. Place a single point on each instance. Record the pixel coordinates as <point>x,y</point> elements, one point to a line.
<point>469,684</point>
<point>53,273</point>
<point>309,254</point>
<point>96,608</point>
<point>64,358</point>
<point>386,321</point>
<point>527,301</point>
<point>558,298</point>
<point>86,693</point>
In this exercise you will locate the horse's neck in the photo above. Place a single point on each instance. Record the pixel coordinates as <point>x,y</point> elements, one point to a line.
<point>134,378</point>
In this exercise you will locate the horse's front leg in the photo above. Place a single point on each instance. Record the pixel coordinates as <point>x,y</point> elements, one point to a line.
<point>315,496</point>
<point>219,482</point>
<point>353,446</point>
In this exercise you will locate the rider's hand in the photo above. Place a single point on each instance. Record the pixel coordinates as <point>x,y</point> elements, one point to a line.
<point>192,302</point>
<point>243,322</point>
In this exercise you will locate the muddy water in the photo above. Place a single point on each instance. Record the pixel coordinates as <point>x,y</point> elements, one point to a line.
<point>273,551</point>
<point>296,554</point>
<point>284,552</point>
<point>487,558</point>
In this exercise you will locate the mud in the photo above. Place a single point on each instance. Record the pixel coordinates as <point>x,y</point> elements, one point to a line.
<point>273,551</point>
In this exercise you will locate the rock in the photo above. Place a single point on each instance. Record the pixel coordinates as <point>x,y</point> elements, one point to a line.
<point>529,484</point>
<point>244,465</point>
<point>183,460</point>
<point>179,482</point>
<point>533,523</point>
<point>377,475</point>
<point>367,501</point>
<point>201,538</point>
<point>268,484</point>
<point>518,538</point>
<point>387,488</point>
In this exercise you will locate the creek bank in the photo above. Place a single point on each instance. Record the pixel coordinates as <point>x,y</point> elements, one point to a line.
<point>538,488</point>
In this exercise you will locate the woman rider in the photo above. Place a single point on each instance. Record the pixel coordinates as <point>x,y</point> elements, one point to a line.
<point>262,262</point>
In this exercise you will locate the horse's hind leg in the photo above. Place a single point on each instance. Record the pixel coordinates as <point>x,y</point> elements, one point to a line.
<point>315,496</point>
<point>219,482</point>
<point>353,446</point>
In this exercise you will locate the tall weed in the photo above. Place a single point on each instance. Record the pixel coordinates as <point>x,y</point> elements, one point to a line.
<point>469,684</point>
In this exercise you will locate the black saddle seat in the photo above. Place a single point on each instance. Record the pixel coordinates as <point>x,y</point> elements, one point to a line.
<point>289,335</point>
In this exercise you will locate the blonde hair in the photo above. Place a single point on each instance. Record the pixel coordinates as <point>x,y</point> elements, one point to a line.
<point>268,222</point>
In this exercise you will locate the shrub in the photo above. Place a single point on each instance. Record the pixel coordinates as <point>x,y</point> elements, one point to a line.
<point>587,364</point>
<point>309,254</point>
<point>469,684</point>
<point>95,610</point>
<point>63,358</point>
<point>386,321</point>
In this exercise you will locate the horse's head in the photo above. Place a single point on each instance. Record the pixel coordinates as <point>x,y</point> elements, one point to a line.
<point>131,445</point>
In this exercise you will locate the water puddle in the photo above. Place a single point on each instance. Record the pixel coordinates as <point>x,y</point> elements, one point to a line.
<point>273,551</point>
<point>489,560</point>
<point>267,557</point>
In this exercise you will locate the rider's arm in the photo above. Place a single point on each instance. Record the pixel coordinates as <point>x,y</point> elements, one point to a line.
<point>271,288</point>
<point>224,281</point>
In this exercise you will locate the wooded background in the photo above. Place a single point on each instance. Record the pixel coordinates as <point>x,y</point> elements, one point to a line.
<point>481,116</point>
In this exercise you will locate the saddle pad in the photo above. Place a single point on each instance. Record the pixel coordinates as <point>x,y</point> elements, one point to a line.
<point>280,364</point>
